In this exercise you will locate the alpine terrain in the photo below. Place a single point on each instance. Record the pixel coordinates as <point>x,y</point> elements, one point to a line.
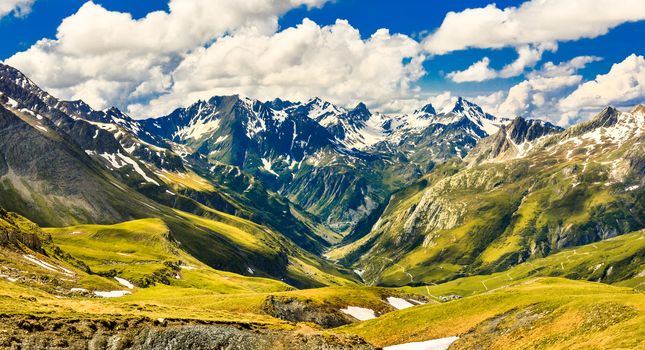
<point>238,223</point>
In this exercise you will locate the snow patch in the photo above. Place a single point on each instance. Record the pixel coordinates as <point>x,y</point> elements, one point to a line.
<point>48,266</point>
<point>124,282</point>
<point>266,165</point>
<point>399,303</point>
<point>119,160</point>
<point>221,139</point>
<point>112,294</point>
<point>434,344</point>
<point>359,313</point>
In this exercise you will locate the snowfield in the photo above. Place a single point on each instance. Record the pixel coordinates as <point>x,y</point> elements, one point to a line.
<point>434,344</point>
<point>359,313</point>
<point>112,294</point>
<point>124,282</point>
<point>399,303</point>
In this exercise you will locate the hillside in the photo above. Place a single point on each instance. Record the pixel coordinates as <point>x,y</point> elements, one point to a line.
<point>548,313</point>
<point>570,188</point>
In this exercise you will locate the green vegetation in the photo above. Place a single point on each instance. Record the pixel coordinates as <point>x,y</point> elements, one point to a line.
<point>477,219</point>
<point>619,261</point>
<point>543,313</point>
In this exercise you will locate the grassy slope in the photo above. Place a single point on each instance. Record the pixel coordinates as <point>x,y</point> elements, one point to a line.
<point>550,312</point>
<point>141,252</point>
<point>489,217</point>
<point>223,241</point>
<point>546,313</point>
<point>619,260</point>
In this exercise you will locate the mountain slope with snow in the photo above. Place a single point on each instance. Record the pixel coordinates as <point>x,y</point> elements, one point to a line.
<point>507,205</point>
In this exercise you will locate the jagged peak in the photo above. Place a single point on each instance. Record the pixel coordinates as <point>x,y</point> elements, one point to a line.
<point>522,130</point>
<point>317,101</point>
<point>607,117</point>
<point>463,105</point>
<point>115,112</point>
<point>428,109</point>
<point>280,104</point>
<point>638,109</point>
<point>361,108</point>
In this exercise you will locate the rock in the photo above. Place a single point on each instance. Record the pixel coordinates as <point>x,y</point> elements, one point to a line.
<point>299,310</point>
<point>147,334</point>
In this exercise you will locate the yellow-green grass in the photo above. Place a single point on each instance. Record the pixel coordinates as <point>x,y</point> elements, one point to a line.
<point>590,261</point>
<point>231,230</point>
<point>136,250</point>
<point>549,313</point>
<point>187,180</point>
<point>263,241</point>
<point>176,302</point>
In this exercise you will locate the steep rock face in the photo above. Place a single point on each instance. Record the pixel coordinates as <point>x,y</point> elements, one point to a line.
<point>103,135</point>
<point>512,141</point>
<point>50,179</point>
<point>572,188</point>
<point>16,231</point>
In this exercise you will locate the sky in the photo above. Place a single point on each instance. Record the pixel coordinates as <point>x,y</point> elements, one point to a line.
<point>558,60</point>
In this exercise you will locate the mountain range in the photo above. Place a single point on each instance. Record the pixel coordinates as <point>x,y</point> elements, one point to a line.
<point>233,195</point>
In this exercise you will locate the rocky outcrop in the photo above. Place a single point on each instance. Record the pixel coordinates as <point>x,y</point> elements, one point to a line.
<point>32,332</point>
<point>511,141</point>
<point>299,310</point>
<point>16,231</point>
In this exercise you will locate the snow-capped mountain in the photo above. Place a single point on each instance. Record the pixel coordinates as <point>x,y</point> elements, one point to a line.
<point>531,189</point>
<point>514,140</point>
<point>300,149</point>
<point>339,163</point>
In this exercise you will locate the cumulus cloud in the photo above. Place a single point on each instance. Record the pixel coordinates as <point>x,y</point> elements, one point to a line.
<point>107,57</point>
<point>624,84</point>
<point>18,8</point>
<point>172,58</point>
<point>538,96</point>
<point>534,22</point>
<point>478,71</point>
<point>528,57</point>
<point>331,62</point>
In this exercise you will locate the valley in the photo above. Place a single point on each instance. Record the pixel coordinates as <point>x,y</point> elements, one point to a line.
<point>235,222</point>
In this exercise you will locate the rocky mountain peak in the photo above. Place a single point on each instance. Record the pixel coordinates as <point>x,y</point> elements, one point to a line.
<point>638,109</point>
<point>360,112</point>
<point>522,130</point>
<point>463,106</point>
<point>428,109</point>
<point>607,117</point>
<point>16,76</point>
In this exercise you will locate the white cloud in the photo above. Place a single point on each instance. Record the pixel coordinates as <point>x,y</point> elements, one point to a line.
<point>490,103</point>
<point>478,71</point>
<point>331,62</point>
<point>18,7</point>
<point>534,22</point>
<point>624,84</point>
<point>538,96</point>
<point>528,57</point>
<point>107,57</point>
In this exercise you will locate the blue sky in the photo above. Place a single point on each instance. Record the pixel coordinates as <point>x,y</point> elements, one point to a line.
<point>416,19</point>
